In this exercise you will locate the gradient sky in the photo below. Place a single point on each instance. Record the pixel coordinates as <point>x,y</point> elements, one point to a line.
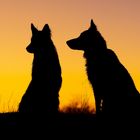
<point>117,20</point>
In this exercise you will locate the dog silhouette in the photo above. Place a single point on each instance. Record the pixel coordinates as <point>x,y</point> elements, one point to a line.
<point>42,94</point>
<point>114,89</point>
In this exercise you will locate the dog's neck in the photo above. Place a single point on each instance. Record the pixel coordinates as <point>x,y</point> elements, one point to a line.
<point>88,54</point>
<point>92,57</point>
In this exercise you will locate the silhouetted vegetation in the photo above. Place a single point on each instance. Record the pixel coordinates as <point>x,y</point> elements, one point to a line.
<point>75,108</point>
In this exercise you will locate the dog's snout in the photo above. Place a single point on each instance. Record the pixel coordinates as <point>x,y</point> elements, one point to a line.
<point>68,42</point>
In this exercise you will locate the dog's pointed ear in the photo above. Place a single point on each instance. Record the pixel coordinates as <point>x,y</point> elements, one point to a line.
<point>46,29</point>
<point>33,28</point>
<point>92,25</point>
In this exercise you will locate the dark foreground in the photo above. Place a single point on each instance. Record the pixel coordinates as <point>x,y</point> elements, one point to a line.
<point>67,125</point>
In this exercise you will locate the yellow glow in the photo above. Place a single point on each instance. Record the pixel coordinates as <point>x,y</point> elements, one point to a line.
<point>118,22</point>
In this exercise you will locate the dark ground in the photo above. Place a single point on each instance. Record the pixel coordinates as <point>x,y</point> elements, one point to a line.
<point>67,125</point>
<point>62,123</point>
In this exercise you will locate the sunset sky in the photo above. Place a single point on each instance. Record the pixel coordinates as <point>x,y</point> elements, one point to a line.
<point>117,20</point>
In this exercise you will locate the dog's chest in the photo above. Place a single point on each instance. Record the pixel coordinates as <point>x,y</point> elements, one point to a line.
<point>96,68</point>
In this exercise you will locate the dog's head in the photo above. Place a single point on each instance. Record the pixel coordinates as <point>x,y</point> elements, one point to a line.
<point>90,39</point>
<point>39,38</point>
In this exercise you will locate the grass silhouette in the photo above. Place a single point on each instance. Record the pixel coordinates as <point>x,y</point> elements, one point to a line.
<point>75,108</point>
<point>72,120</point>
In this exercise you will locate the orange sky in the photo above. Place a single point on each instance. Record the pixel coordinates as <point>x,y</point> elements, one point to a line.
<point>117,20</point>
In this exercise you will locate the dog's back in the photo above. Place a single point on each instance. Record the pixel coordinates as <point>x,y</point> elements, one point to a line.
<point>42,94</point>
